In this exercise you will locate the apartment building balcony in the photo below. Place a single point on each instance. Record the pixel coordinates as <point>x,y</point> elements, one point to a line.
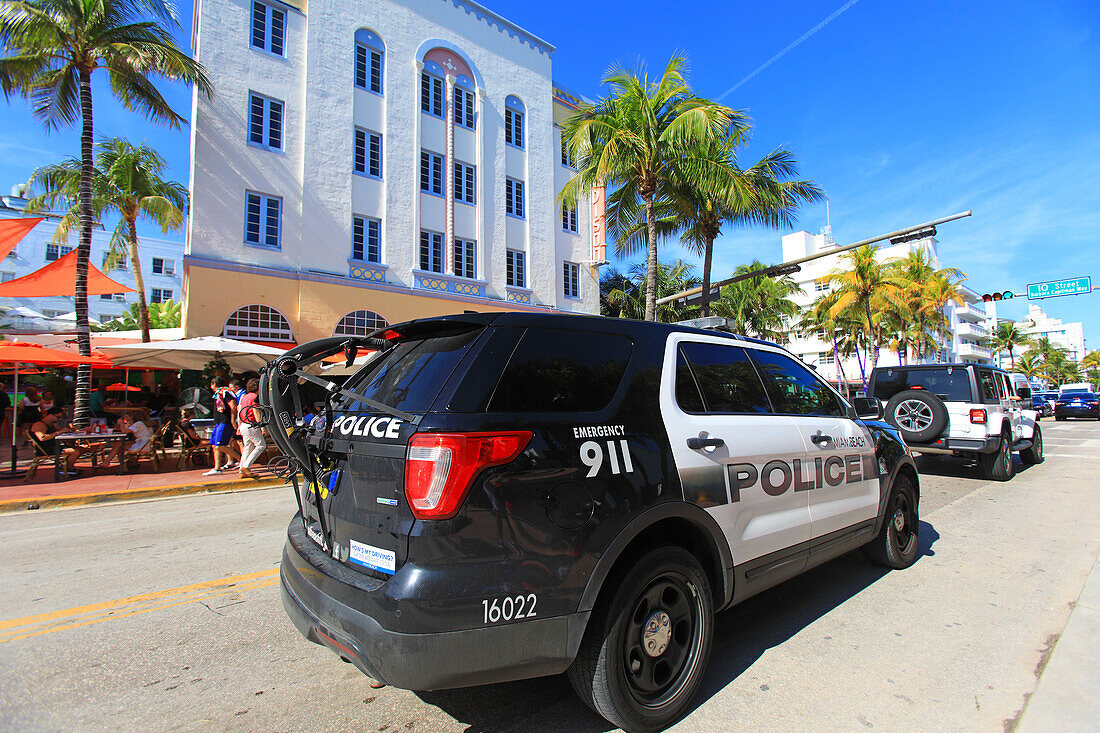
<point>970,312</point>
<point>965,328</point>
<point>975,351</point>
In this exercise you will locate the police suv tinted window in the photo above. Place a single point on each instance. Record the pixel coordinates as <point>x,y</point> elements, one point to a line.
<point>410,375</point>
<point>793,389</point>
<point>561,371</point>
<point>950,384</point>
<point>718,379</point>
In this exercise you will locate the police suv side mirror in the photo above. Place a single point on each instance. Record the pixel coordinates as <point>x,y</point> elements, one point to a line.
<point>868,407</point>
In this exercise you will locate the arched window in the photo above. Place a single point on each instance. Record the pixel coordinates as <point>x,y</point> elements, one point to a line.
<point>514,112</point>
<point>369,54</point>
<point>359,323</point>
<point>258,321</point>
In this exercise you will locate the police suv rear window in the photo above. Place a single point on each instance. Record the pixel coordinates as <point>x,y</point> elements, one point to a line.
<point>711,378</point>
<point>410,375</point>
<point>561,371</point>
<point>950,384</point>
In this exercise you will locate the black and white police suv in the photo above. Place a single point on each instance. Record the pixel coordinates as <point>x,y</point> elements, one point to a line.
<point>502,496</point>
<point>967,410</point>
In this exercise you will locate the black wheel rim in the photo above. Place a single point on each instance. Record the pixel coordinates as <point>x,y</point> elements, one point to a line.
<point>1006,455</point>
<point>1038,449</point>
<point>661,639</point>
<point>904,524</point>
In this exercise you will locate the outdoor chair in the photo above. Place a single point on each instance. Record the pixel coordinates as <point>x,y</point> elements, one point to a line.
<point>191,451</point>
<point>41,455</point>
<point>159,438</point>
<point>147,451</point>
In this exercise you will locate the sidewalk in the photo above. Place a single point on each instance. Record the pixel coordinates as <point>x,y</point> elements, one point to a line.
<point>16,496</point>
<point>1066,698</point>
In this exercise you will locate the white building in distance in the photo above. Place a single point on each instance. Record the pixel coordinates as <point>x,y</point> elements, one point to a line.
<point>161,269</point>
<point>366,163</point>
<point>1037,324</point>
<point>968,324</point>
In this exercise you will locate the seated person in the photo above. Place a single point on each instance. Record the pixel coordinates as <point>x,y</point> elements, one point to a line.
<point>44,432</point>
<point>139,436</point>
<point>189,437</point>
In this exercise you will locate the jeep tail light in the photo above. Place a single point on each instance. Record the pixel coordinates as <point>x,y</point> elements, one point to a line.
<point>977,417</point>
<point>440,467</point>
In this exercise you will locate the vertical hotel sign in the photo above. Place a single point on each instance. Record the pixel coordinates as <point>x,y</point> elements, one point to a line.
<point>599,224</point>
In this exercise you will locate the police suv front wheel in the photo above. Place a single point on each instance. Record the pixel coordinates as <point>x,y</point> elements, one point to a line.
<point>646,647</point>
<point>895,546</point>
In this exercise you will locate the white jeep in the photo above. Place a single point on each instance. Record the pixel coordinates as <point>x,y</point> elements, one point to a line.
<point>965,410</point>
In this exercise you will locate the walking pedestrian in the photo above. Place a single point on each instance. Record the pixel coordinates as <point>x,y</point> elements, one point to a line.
<point>225,418</point>
<point>253,434</point>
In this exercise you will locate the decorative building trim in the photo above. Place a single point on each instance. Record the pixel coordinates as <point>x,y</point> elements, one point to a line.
<point>523,296</point>
<point>493,20</point>
<point>445,283</point>
<point>370,272</point>
<point>564,97</point>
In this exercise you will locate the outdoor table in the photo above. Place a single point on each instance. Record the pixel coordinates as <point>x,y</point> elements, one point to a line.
<point>64,438</point>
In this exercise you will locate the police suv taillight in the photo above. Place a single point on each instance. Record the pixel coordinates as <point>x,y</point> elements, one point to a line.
<point>978,417</point>
<point>440,467</point>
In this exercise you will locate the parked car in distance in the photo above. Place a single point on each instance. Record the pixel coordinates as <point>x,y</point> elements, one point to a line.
<point>1041,404</point>
<point>1077,404</point>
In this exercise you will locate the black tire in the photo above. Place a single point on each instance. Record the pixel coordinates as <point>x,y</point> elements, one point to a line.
<point>1059,418</point>
<point>1034,454</point>
<point>614,673</point>
<point>895,546</point>
<point>919,415</point>
<point>998,465</point>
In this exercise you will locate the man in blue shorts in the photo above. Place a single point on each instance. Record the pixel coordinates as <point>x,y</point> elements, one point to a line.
<point>225,427</point>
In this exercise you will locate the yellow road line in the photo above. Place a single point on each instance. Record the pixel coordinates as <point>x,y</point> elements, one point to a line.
<point>46,623</point>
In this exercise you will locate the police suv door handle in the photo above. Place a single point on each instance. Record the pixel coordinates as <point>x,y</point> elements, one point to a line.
<point>820,439</point>
<point>697,443</point>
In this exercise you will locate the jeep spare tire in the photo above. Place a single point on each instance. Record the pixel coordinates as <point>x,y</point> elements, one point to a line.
<point>919,415</point>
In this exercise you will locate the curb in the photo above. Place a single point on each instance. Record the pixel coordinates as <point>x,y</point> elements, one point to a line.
<point>11,506</point>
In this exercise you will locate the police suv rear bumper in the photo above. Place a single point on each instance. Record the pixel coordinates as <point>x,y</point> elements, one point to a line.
<point>429,661</point>
<point>958,445</point>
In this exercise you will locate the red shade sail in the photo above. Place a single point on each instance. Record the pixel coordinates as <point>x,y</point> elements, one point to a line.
<point>12,352</point>
<point>11,231</point>
<point>59,278</point>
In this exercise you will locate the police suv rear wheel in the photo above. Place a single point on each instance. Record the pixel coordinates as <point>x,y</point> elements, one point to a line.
<point>647,645</point>
<point>897,540</point>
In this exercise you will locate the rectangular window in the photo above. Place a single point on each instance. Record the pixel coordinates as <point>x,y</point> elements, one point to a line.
<point>569,217</point>
<point>571,273</point>
<point>263,219</point>
<point>711,378</point>
<point>792,388</point>
<point>567,155</point>
<point>821,287</point>
<point>517,275</point>
<point>465,258</point>
<point>120,263</point>
<point>513,196</point>
<point>431,251</point>
<point>160,295</point>
<point>368,68</point>
<point>464,107</point>
<point>57,251</point>
<point>465,182</point>
<point>265,121</point>
<point>513,127</point>
<point>431,94</point>
<point>106,296</point>
<point>366,239</point>
<point>268,27</point>
<point>431,172</point>
<point>162,266</point>
<point>368,152</point>
<point>826,357</point>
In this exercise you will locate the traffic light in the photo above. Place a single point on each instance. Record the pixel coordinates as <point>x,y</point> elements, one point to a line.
<point>1006,295</point>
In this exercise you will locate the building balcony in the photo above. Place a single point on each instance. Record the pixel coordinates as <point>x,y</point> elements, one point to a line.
<point>970,312</point>
<point>966,328</point>
<point>975,351</point>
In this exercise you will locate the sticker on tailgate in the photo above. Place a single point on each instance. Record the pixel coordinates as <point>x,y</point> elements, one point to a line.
<point>375,558</point>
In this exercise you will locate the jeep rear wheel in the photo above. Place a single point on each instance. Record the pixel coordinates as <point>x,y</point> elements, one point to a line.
<point>646,647</point>
<point>998,466</point>
<point>895,546</point>
<point>919,415</point>
<point>1034,454</point>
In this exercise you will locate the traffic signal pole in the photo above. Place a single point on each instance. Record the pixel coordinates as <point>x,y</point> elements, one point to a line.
<point>785,268</point>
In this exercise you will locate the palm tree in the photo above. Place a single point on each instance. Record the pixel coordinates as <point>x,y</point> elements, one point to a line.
<point>166,314</point>
<point>51,49</point>
<point>126,179</point>
<point>867,287</point>
<point>611,281</point>
<point>919,274</point>
<point>759,306</point>
<point>938,292</point>
<point>629,140</point>
<point>629,301</point>
<point>1031,365</point>
<point>1006,337</point>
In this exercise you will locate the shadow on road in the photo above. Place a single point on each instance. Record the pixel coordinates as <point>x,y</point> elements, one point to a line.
<point>742,635</point>
<point>955,467</point>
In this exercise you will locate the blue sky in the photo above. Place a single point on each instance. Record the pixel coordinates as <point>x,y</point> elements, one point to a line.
<point>901,112</point>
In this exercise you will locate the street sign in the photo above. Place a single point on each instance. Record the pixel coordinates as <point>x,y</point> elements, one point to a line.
<point>1053,289</point>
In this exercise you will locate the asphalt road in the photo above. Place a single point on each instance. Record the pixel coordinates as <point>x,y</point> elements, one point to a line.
<point>166,615</point>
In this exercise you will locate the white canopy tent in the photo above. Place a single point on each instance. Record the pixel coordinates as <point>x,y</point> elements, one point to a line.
<point>192,353</point>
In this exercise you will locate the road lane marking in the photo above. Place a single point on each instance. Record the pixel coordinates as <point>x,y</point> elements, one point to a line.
<point>1092,456</point>
<point>71,618</point>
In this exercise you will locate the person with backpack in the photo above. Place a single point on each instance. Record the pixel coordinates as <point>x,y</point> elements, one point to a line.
<point>225,427</point>
<point>251,434</point>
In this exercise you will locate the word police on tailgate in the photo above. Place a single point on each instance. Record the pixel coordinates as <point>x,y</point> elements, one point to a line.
<point>368,426</point>
<point>777,476</point>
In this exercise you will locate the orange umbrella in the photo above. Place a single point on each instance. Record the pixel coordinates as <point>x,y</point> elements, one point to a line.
<point>120,387</point>
<point>59,278</point>
<point>11,231</point>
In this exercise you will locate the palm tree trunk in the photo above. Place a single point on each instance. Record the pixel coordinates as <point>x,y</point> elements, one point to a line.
<point>708,254</point>
<point>874,340</point>
<point>81,414</point>
<point>651,263</point>
<point>139,281</point>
